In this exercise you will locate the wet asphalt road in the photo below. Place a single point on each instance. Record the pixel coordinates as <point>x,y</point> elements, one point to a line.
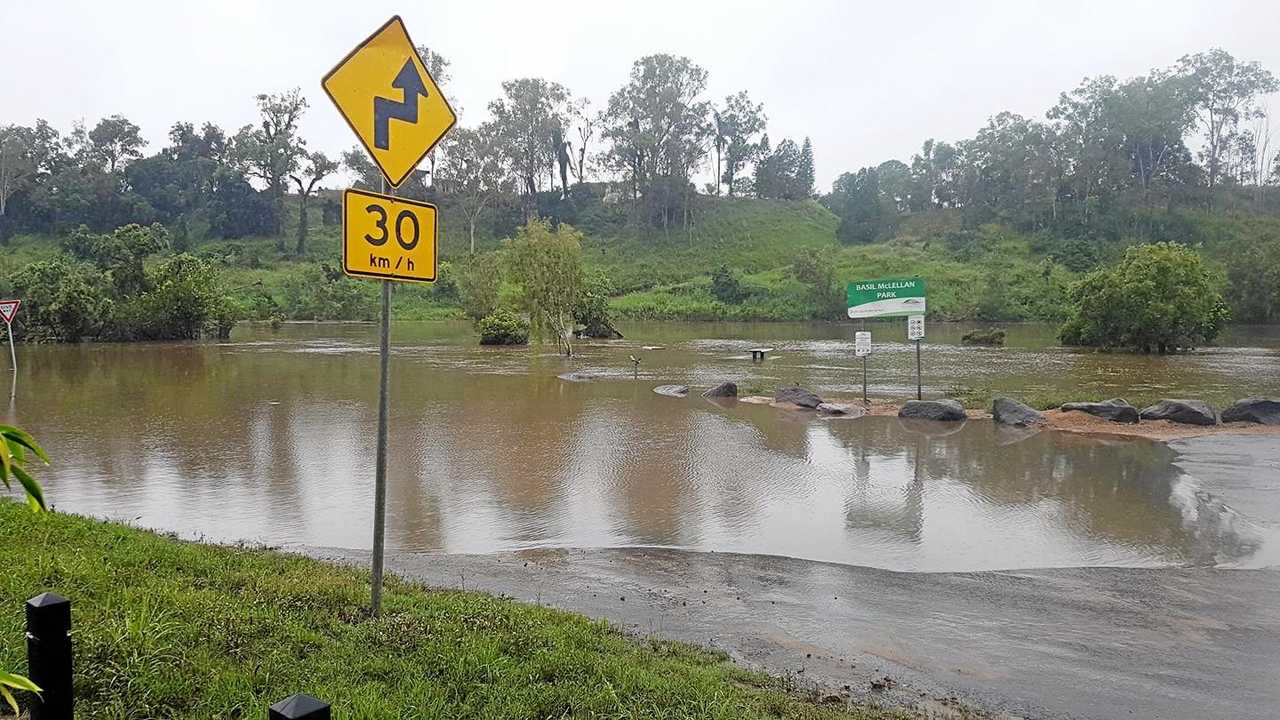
<point>1170,643</point>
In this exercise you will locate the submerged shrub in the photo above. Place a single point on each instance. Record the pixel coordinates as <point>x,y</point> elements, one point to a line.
<point>503,328</point>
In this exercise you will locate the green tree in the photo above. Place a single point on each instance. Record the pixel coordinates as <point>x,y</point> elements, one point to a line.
<point>725,286</point>
<point>314,167</point>
<point>656,126</point>
<point>1224,91</point>
<point>479,279</point>
<point>592,310</point>
<point>114,142</point>
<point>185,298</point>
<point>1159,298</point>
<point>866,215</point>
<point>62,301</point>
<point>524,121</point>
<point>545,265</point>
<point>1253,278</point>
<point>738,123</point>
<point>272,150</point>
<point>817,270</point>
<point>24,154</point>
<point>473,173</point>
<point>805,172</point>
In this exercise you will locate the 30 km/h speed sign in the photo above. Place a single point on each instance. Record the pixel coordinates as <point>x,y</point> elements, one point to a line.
<point>390,100</point>
<point>388,237</point>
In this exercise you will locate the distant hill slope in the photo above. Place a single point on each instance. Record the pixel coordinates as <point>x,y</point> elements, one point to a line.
<point>748,235</point>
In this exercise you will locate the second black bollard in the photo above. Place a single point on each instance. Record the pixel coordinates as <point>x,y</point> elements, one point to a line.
<point>49,655</point>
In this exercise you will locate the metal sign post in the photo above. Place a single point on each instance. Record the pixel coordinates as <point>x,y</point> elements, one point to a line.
<point>381,81</point>
<point>380,466</point>
<point>915,331</point>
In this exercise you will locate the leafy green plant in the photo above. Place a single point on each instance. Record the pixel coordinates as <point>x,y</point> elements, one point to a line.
<point>1161,297</point>
<point>15,447</point>
<point>503,328</point>
<point>14,460</point>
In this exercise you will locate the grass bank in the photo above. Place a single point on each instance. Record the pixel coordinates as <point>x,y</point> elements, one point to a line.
<point>172,629</point>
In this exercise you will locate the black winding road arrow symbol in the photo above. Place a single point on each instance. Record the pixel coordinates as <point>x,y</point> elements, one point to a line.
<point>384,110</point>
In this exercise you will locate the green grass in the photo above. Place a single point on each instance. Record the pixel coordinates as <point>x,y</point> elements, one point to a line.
<point>170,629</point>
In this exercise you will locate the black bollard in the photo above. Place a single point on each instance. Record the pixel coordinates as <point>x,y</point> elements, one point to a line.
<point>299,707</point>
<point>49,655</point>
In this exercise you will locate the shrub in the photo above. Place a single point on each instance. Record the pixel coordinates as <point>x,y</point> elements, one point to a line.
<point>324,293</point>
<point>725,286</point>
<point>989,336</point>
<point>503,327</point>
<point>592,310</point>
<point>63,301</point>
<point>1159,298</point>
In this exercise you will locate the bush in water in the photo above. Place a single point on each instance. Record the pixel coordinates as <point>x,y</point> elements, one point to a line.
<point>503,328</point>
<point>1160,298</point>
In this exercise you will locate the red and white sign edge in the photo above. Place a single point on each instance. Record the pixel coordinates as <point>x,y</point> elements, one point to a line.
<point>9,309</point>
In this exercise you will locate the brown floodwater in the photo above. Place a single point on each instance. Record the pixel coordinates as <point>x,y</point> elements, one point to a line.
<point>270,438</point>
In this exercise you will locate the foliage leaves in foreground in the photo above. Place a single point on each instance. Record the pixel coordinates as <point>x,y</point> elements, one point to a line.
<point>1160,298</point>
<point>178,630</point>
<point>16,446</point>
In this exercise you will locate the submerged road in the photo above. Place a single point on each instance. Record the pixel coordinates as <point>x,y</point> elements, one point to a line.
<point>1169,643</point>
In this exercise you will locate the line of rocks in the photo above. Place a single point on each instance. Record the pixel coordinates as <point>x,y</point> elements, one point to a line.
<point>1007,411</point>
<point>1260,410</point>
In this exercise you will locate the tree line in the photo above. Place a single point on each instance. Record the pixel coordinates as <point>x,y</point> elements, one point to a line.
<point>652,139</point>
<point>1107,158</point>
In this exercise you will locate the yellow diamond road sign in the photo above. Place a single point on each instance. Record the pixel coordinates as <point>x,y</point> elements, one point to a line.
<point>390,100</point>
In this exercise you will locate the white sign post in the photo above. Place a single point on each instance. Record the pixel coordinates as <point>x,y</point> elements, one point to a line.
<point>915,332</point>
<point>862,348</point>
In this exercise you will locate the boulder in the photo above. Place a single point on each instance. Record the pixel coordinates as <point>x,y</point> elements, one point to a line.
<point>1255,410</point>
<point>797,396</point>
<point>843,410</point>
<point>942,410</point>
<point>1007,411</point>
<point>672,390</point>
<point>1116,410</point>
<point>723,390</point>
<point>1187,412</point>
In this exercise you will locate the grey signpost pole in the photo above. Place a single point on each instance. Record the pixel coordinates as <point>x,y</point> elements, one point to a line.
<point>13,356</point>
<point>380,472</point>
<point>864,368</point>
<point>918,393</point>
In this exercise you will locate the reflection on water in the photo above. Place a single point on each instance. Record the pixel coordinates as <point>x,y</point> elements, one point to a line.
<point>271,438</point>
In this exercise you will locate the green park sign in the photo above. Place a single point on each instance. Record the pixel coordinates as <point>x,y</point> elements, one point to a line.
<point>893,297</point>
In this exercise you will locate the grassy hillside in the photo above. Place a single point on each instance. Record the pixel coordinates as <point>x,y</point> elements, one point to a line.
<point>988,273</point>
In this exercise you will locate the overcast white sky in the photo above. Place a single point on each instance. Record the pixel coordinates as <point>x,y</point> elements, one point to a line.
<point>867,81</point>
